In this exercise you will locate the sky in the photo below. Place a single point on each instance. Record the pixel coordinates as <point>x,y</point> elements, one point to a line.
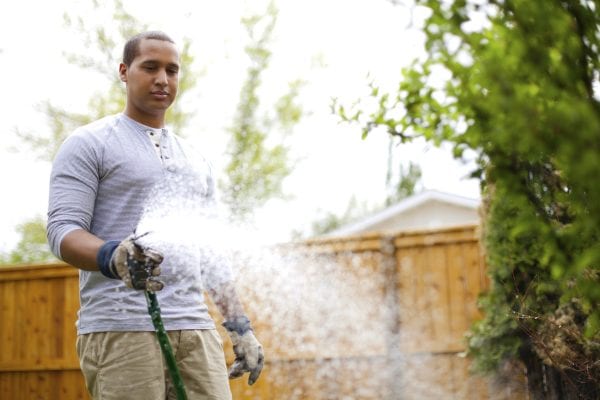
<point>334,46</point>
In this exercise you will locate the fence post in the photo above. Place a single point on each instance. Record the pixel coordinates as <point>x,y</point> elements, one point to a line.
<point>392,305</point>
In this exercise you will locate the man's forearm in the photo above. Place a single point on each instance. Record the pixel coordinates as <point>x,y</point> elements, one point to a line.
<point>79,248</point>
<point>227,301</point>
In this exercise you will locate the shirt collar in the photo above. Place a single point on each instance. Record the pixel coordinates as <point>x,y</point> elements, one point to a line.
<point>141,127</point>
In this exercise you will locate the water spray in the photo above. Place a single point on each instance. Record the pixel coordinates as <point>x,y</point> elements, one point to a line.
<point>328,318</point>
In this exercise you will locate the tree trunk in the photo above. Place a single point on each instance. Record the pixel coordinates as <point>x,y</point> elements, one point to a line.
<point>548,383</point>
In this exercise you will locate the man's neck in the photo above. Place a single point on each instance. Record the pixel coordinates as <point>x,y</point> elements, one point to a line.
<point>148,120</point>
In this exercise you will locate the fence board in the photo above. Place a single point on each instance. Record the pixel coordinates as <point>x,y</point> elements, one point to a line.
<point>457,286</point>
<point>50,385</point>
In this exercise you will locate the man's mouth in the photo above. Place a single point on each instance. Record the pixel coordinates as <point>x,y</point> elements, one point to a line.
<point>160,93</point>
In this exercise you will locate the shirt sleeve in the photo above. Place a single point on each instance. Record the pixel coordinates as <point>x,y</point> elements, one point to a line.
<point>73,188</point>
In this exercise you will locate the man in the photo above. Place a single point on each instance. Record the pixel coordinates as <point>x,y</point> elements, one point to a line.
<point>100,181</point>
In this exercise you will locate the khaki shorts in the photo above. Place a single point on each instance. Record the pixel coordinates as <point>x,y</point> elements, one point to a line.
<point>130,365</point>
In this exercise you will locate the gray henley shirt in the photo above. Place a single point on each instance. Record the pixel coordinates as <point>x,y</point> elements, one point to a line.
<point>100,182</point>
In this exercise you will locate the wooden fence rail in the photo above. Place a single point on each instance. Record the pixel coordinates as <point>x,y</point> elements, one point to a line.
<point>367,317</point>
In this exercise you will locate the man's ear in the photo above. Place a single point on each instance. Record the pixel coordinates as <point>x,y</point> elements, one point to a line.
<point>123,72</point>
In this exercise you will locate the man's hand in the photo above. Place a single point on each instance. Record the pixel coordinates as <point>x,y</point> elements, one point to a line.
<point>136,266</point>
<point>249,356</point>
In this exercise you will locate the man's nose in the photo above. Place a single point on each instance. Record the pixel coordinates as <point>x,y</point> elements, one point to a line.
<point>161,77</point>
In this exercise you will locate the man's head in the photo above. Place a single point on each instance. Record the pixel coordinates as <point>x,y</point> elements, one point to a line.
<point>132,48</point>
<point>150,69</point>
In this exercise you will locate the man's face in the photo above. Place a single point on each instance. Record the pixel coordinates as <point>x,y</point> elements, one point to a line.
<point>152,80</point>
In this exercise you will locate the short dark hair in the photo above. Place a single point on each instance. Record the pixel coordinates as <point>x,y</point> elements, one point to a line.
<point>132,47</point>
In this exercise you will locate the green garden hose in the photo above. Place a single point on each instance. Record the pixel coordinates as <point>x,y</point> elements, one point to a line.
<point>144,269</point>
<point>165,345</point>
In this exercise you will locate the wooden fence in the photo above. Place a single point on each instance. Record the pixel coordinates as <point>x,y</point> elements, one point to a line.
<point>366,317</point>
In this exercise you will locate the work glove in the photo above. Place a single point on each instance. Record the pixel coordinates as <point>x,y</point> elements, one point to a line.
<point>135,265</point>
<point>249,356</point>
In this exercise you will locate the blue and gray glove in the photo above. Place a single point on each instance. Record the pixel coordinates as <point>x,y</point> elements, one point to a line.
<point>249,356</point>
<point>135,265</point>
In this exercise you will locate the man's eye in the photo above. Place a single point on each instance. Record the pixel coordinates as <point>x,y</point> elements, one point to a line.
<point>172,71</point>
<point>149,68</point>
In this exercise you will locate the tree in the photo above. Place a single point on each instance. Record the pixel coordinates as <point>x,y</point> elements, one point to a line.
<point>331,221</point>
<point>517,82</point>
<point>405,185</point>
<point>256,168</point>
<point>102,57</point>
<point>33,246</point>
<point>258,161</point>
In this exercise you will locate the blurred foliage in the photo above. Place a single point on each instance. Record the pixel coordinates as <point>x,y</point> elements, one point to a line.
<point>257,164</point>
<point>104,44</point>
<point>404,185</point>
<point>332,221</point>
<point>516,81</point>
<point>258,160</point>
<point>33,246</point>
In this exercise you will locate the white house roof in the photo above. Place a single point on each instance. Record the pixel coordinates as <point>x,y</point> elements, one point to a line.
<point>404,207</point>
